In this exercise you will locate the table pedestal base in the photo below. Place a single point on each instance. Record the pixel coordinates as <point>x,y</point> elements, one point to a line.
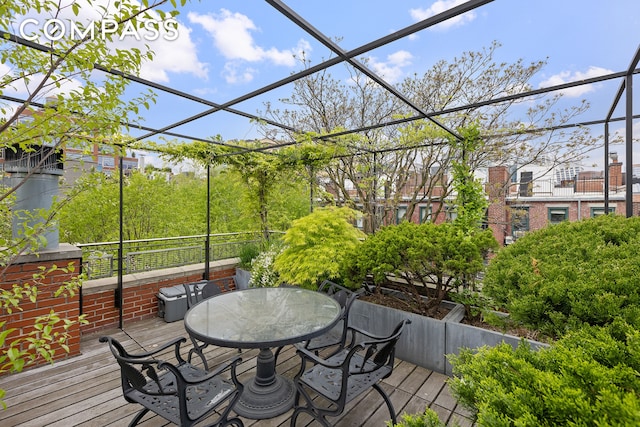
<point>267,395</point>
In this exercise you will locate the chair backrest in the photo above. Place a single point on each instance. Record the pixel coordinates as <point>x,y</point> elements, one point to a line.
<point>204,289</point>
<point>217,286</point>
<point>136,371</point>
<point>344,296</point>
<point>211,289</point>
<point>380,351</point>
<point>193,291</point>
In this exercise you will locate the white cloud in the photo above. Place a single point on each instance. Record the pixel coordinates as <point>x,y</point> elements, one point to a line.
<point>567,76</point>
<point>232,35</point>
<point>170,56</point>
<point>442,6</point>
<point>391,69</point>
<point>234,73</point>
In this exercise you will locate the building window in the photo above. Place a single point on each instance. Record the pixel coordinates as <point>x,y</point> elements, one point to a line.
<point>557,215</point>
<point>597,211</point>
<point>401,214</point>
<point>425,213</point>
<point>519,221</point>
<point>107,161</point>
<point>526,184</point>
<point>450,212</point>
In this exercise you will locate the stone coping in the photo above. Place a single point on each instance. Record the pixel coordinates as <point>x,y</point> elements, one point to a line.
<point>153,276</point>
<point>63,251</point>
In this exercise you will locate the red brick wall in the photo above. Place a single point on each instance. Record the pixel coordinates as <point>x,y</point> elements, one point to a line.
<point>67,307</point>
<point>497,210</point>
<point>96,298</point>
<point>615,175</point>
<point>140,299</point>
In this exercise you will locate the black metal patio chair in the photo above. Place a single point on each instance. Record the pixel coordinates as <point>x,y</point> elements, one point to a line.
<point>204,289</point>
<point>197,292</point>
<point>333,382</point>
<point>193,291</point>
<point>180,393</point>
<point>337,336</point>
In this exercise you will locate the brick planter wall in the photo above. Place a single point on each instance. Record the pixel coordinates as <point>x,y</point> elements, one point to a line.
<point>140,292</point>
<point>21,272</point>
<point>96,299</point>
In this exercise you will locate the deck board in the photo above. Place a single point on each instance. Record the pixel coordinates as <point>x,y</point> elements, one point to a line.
<point>85,390</point>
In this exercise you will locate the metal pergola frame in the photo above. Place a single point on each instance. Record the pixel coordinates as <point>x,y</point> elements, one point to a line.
<point>342,56</point>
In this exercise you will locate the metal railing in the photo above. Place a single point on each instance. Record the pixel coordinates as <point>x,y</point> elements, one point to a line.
<point>550,187</point>
<point>101,259</point>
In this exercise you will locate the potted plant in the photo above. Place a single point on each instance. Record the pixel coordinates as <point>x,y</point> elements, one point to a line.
<point>248,252</point>
<point>315,247</point>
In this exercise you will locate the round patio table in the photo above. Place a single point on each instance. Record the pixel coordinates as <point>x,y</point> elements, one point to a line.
<point>263,318</point>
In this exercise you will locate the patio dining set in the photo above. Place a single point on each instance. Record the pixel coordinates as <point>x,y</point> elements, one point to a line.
<point>338,362</point>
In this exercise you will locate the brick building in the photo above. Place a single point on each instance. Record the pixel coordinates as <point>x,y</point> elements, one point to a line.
<point>535,197</point>
<point>520,200</point>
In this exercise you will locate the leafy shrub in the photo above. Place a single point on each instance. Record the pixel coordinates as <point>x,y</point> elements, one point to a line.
<point>439,258</point>
<point>263,274</point>
<point>316,245</point>
<point>587,378</point>
<point>248,253</point>
<point>428,419</point>
<point>477,305</point>
<point>566,275</point>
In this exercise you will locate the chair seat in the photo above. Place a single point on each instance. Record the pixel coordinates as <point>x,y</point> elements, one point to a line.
<point>200,397</point>
<point>331,338</point>
<point>328,381</point>
<point>331,382</point>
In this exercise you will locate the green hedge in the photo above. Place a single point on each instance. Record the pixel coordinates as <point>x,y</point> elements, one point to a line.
<point>588,378</point>
<point>561,277</point>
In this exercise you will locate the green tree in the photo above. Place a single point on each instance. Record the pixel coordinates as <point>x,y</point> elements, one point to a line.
<point>92,211</point>
<point>407,163</point>
<point>265,171</point>
<point>156,207</point>
<point>312,157</point>
<point>471,202</point>
<point>70,103</point>
<point>315,246</point>
<point>435,258</point>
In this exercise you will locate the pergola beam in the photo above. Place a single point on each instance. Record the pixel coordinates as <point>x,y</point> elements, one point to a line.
<point>625,86</point>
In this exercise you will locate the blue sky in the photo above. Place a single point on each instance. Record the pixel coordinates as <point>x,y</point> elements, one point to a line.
<point>238,47</point>
<point>228,48</point>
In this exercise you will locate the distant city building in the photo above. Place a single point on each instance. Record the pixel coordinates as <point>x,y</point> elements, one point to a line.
<point>98,157</point>
<point>539,197</point>
<point>521,199</point>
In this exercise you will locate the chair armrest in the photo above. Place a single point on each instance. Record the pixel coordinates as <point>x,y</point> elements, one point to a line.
<point>397,331</point>
<point>373,338</point>
<point>229,364</point>
<point>355,330</point>
<point>176,342</point>
<point>306,354</point>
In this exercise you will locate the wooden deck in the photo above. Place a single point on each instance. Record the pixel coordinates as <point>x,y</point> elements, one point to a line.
<point>85,390</point>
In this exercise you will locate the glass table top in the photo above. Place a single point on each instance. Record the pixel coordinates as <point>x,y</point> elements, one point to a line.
<point>262,317</point>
